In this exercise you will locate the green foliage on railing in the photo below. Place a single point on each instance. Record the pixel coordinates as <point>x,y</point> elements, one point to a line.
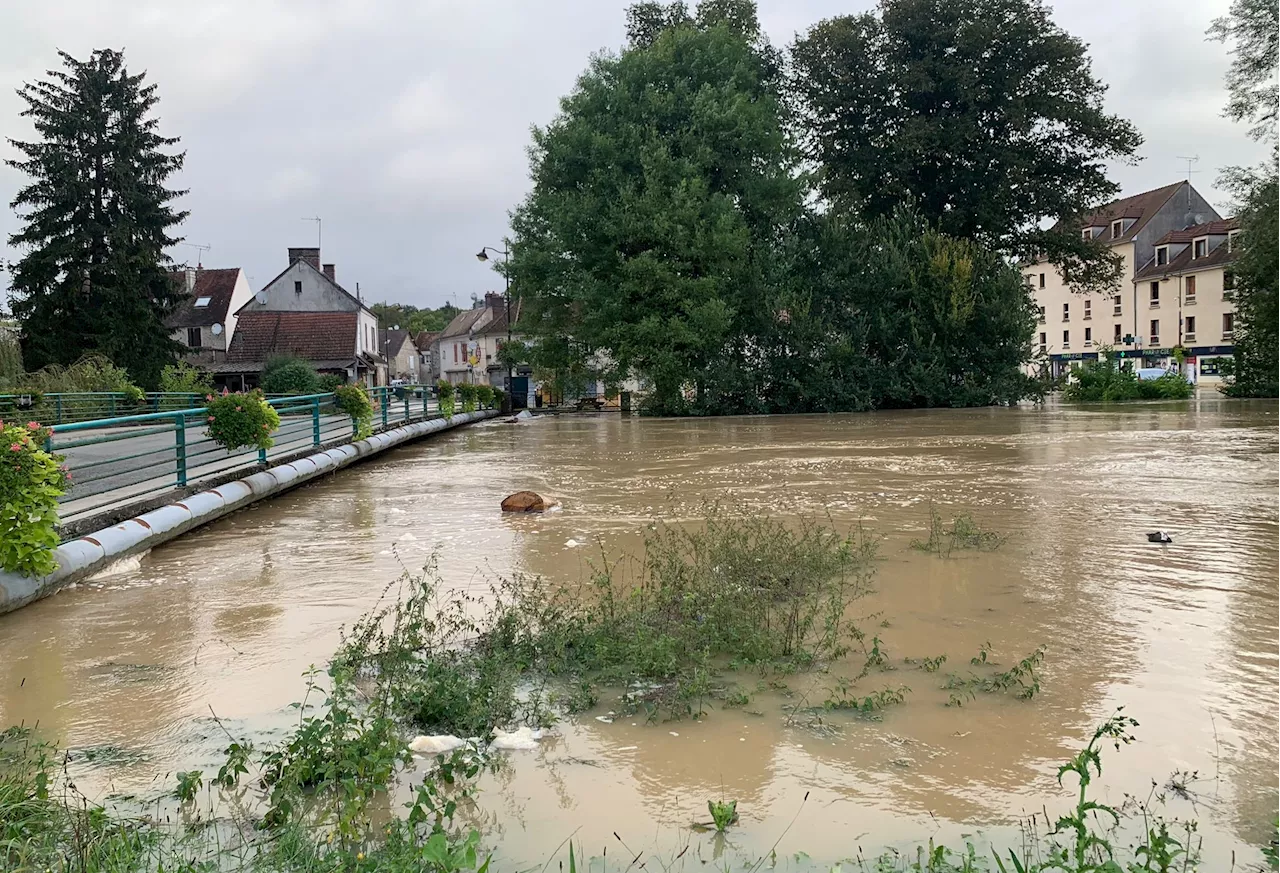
<point>31,481</point>
<point>484,395</point>
<point>185,378</point>
<point>497,397</point>
<point>354,401</point>
<point>444,394</point>
<point>238,421</point>
<point>467,394</point>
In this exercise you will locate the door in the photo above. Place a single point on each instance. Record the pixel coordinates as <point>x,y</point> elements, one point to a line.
<point>519,392</point>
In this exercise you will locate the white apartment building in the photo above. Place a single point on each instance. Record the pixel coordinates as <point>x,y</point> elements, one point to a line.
<point>1174,291</point>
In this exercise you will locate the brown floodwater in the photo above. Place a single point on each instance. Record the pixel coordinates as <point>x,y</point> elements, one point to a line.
<point>130,665</point>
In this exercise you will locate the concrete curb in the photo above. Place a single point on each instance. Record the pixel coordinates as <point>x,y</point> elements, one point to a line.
<point>92,552</point>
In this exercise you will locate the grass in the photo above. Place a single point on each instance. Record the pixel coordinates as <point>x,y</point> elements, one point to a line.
<point>963,533</point>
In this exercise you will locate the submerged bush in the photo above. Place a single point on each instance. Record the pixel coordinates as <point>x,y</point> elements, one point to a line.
<point>242,420</point>
<point>31,481</point>
<point>1105,381</point>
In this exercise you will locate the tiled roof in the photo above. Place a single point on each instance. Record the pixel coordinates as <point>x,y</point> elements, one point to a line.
<point>499,323</point>
<point>314,336</point>
<point>425,338</point>
<point>1142,207</point>
<point>463,323</point>
<point>1184,263</point>
<point>1211,228</point>
<point>391,340</point>
<point>217,285</point>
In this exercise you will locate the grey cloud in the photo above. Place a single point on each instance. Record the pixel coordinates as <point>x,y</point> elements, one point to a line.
<point>404,124</point>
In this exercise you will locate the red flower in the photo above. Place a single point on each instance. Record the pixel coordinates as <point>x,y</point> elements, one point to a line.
<point>211,418</point>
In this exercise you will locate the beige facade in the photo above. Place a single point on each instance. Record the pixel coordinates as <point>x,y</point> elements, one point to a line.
<point>1170,241</point>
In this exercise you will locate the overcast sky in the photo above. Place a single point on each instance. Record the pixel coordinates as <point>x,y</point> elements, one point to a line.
<point>403,124</point>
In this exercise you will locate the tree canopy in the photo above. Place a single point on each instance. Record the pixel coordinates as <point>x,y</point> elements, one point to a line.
<point>96,220</point>
<point>413,319</point>
<point>983,116</point>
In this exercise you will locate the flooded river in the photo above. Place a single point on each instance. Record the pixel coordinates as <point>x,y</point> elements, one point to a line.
<point>1184,636</point>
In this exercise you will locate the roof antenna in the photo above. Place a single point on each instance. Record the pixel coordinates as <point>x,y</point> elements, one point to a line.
<point>320,229</point>
<point>199,249</point>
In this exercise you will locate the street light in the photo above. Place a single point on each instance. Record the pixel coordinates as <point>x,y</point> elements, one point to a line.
<point>483,256</point>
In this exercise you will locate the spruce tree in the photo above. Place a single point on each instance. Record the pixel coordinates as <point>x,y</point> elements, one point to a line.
<point>96,217</point>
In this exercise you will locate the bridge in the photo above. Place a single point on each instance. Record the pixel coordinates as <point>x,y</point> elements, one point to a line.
<point>140,479</point>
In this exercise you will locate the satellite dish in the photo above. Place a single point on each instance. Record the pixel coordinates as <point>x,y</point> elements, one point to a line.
<point>262,297</point>
<point>395,327</point>
<point>217,330</point>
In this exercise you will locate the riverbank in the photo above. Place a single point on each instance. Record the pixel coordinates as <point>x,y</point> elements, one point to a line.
<point>93,552</point>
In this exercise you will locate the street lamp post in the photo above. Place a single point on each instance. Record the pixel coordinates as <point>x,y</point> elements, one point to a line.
<point>483,255</point>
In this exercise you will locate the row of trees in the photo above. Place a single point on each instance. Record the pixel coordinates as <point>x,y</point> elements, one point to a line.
<point>830,227</point>
<point>1253,29</point>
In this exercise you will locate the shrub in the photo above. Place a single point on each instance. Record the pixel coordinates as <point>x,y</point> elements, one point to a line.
<point>329,382</point>
<point>354,401</point>
<point>484,396</point>
<point>1105,381</point>
<point>237,421</point>
<point>289,376</point>
<point>183,378</point>
<point>31,481</point>
<point>467,393</point>
<point>497,398</point>
<point>444,394</point>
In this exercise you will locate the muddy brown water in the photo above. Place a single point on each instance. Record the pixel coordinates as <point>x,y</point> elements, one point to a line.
<point>129,666</point>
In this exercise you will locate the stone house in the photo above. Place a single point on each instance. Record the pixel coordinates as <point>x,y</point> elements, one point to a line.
<point>205,322</point>
<point>468,346</point>
<point>398,348</point>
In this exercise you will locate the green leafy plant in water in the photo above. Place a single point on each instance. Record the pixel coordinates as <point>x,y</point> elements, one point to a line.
<point>844,698</point>
<point>723,814</point>
<point>984,651</point>
<point>484,395</point>
<point>189,784</point>
<point>928,665</point>
<point>963,533</point>
<point>468,394</point>
<point>31,481</point>
<point>353,399</point>
<point>1022,679</point>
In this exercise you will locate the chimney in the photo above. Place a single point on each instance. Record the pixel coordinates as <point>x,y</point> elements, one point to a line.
<point>191,280</point>
<point>328,273</point>
<point>495,302</point>
<point>311,256</point>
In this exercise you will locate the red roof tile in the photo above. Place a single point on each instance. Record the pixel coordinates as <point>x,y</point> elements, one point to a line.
<point>314,336</point>
<point>1209,228</point>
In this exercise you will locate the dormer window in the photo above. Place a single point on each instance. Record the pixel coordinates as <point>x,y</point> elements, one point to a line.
<point>202,302</point>
<point>1231,240</point>
<point>1087,233</point>
<point>1162,256</point>
<point>1199,248</point>
<point>1117,228</point>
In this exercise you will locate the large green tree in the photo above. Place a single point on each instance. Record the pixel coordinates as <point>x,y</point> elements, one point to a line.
<point>661,193</point>
<point>413,319</point>
<point>96,220</point>
<point>1252,27</point>
<point>983,116</point>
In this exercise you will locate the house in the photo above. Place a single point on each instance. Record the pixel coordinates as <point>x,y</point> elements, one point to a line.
<point>304,312</point>
<point>427,342</point>
<point>468,346</point>
<point>205,321</point>
<point>1142,319</point>
<point>398,348</point>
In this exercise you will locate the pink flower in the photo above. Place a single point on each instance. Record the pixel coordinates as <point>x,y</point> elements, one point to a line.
<point>33,425</point>
<point>16,447</point>
<point>237,409</point>
<point>225,392</point>
<point>211,418</point>
<point>64,469</point>
<point>264,426</point>
<point>208,397</point>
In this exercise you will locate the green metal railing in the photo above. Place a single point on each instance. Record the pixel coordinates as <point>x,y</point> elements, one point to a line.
<point>73,406</point>
<point>126,458</point>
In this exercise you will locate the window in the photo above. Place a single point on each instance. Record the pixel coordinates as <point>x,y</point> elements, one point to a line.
<point>1231,240</point>
<point>1115,305</point>
<point>1228,324</point>
<point>1088,308</point>
<point>1117,229</point>
<point>1041,308</point>
<point>193,337</point>
<point>455,353</point>
<point>1155,331</point>
<point>1162,256</point>
<point>1155,293</point>
<point>1044,341</point>
<point>297,287</point>
<point>1199,248</point>
<point>1189,327</point>
<point>1087,233</point>
<point>202,302</point>
<point>1066,339</point>
<point>1088,337</point>
<point>1066,312</point>
<point>1042,280</point>
<point>1119,335</point>
<point>1191,289</point>
<point>1228,281</point>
